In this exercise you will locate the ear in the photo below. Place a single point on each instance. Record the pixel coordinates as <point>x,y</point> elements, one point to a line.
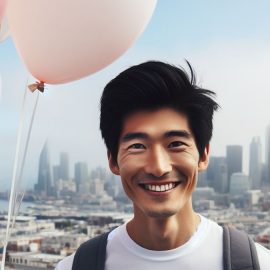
<point>113,164</point>
<point>204,160</point>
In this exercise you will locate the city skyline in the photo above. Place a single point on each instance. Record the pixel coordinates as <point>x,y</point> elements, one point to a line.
<point>222,170</point>
<point>76,171</point>
<point>228,50</point>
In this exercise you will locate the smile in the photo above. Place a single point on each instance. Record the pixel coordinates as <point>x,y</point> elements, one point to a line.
<point>160,188</point>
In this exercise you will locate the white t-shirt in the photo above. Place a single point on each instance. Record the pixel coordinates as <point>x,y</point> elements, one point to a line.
<point>202,251</point>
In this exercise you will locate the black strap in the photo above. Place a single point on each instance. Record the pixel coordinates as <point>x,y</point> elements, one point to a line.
<point>91,255</point>
<point>239,251</point>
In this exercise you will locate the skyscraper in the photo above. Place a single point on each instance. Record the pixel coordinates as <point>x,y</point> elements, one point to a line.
<point>217,174</point>
<point>81,174</point>
<point>239,184</point>
<point>202,179</point>
<point>64,166</point>
<point>255,163</point>
<point>56,174</point>
<point>234,159</point>
<point>267,155</point>
<point>44,185</point>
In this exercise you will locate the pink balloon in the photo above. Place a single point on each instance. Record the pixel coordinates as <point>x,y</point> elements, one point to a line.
<point>2,8</point>
<point>65,40</point>
<point>4,31</point>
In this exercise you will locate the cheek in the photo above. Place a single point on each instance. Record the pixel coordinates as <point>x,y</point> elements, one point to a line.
<point>187,162</point>
<point>187,165</point>
<point>129,166</point>
<point>129,169</point>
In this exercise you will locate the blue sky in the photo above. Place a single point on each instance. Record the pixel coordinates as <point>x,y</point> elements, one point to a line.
<point>228,44</point>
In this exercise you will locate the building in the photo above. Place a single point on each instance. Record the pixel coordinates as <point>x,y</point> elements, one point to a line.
<point>64,244</point>
<point>202,179</point>
<point>100,173</point>
<point>44,185</point>
<point>64,166</point>
<point>65,188</point>
<point>254,196</point>
<point>34,260</point>
<point>81,174</point>
<point>234,159</point>
<point>267,156</point>
<point>113,185</point>
<point>217,174</point>
<point>203,193</point>
<point>239,184</point>
<point>97,187</point>
<point>255,163</point>
<point>56,174</point>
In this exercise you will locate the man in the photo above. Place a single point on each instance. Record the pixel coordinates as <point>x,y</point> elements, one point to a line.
<point>157,124</point>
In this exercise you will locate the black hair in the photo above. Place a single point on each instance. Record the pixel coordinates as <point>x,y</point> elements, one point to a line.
<point>150,86</point>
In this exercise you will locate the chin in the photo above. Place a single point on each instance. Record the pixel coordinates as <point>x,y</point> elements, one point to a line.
<point>166,213</point>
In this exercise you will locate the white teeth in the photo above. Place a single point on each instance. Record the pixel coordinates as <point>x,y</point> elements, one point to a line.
<point>160,188</point>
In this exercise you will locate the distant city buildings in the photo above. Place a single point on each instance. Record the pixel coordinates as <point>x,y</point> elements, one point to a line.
<point>267,156</point>
<point>44,184</point>
<point>255,163</point>
<point>64,166</point>
<point>224,175</point>
<point>218,169</point>
<point>97,187</point>
<point>239,184</point>
<point>81,175</point>
<point>234,159</point>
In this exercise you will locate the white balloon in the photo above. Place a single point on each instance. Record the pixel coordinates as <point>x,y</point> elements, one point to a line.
<point>65,40</point>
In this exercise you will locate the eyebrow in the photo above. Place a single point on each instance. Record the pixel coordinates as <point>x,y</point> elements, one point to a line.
<point>141,135</point>
<point>134,135</point>
<point>177,133</point>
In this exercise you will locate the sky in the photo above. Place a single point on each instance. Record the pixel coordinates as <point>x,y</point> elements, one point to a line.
<point>227,43</point>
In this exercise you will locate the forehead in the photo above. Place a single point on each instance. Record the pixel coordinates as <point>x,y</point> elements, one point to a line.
<point>155,122</point>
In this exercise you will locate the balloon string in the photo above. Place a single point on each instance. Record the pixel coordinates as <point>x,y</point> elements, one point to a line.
<point>11,197</point>
<point>17,202</point>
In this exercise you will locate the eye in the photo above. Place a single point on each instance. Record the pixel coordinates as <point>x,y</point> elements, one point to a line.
<point>136,146</point>
<point>175,144</point>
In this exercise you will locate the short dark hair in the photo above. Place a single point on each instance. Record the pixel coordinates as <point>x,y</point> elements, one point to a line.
<point>150,86</point>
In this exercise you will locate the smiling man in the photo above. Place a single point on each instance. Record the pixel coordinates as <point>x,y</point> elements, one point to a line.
<point>158,162</point>
<point>157,125</point>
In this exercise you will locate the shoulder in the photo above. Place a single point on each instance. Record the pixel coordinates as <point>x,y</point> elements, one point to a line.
<point>66,263</point>
<point>263,256</point>
<point>211,227</point>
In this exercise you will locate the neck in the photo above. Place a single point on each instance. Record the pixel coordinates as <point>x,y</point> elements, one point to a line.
<point>163,233</point>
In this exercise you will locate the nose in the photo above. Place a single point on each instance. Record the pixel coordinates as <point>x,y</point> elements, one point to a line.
<point>158,162</point>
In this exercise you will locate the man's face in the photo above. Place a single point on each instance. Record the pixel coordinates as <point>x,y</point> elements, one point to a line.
<point>158,162</point>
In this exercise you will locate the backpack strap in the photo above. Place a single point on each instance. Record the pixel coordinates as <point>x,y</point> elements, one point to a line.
<point>91,255</point>
<point>239,251</point>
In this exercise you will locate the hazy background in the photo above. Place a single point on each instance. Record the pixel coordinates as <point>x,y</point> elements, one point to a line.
<point>228,44</point>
